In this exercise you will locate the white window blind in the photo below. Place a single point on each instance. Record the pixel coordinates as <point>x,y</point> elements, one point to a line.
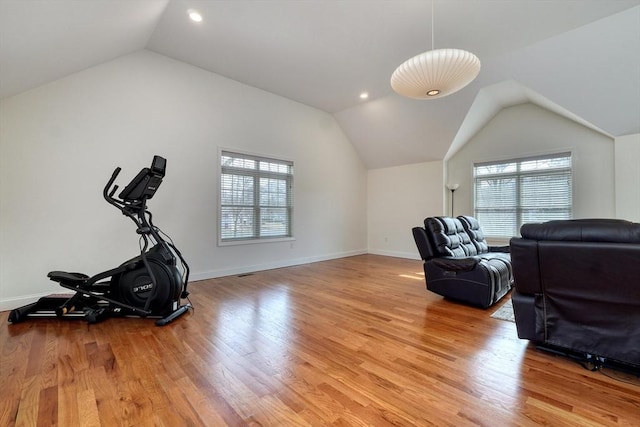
<point>515,192</point>
<point>255,197</point>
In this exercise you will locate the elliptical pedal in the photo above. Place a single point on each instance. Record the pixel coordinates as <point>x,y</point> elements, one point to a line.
<point>170,318</point>
<point>96,315</point>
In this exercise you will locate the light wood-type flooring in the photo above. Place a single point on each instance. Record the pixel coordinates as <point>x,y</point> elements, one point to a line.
<point>356,341</point>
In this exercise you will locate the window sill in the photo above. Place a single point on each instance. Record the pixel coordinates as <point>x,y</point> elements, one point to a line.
<point>255,241</point>
<point>498,241</point>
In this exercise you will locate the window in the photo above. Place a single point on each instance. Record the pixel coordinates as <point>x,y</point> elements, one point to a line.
<point>255,197</point>
<point>511,193</point>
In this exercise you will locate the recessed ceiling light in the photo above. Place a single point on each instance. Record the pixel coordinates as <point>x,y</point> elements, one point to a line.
<point>194,15</point>
<point>364,95</point>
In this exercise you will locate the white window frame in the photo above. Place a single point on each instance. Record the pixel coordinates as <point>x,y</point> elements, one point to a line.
<point>519,210</point>
<point>255,206</point>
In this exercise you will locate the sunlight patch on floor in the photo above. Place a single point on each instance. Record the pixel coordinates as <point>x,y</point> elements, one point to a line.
<point>415,276</point>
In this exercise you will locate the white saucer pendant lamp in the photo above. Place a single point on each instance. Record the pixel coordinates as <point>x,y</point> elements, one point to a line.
<point>435,73</point>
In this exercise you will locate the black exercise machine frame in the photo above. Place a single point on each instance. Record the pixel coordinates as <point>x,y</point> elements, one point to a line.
<point>93,294</point>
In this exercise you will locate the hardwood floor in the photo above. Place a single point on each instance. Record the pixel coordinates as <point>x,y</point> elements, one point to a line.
<point>349,342</point>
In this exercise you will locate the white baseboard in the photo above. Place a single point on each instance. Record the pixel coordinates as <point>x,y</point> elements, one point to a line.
<point>396,254</point>
<point>212,274</point>
<point>15,302</point>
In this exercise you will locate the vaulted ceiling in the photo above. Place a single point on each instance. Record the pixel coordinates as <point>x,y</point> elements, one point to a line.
<point>580,58</point>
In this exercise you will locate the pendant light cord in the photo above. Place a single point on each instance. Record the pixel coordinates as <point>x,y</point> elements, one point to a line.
<point>432,28</point>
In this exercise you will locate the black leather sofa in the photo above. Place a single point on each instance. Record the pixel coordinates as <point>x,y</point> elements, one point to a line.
<point>577,288</point>
<point>458,262</point>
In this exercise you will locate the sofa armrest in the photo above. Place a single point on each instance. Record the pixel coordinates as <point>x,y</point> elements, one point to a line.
<point>504,249</point>
<point>456,264</point>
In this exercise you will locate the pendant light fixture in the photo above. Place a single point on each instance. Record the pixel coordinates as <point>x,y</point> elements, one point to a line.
<point>435,73</point>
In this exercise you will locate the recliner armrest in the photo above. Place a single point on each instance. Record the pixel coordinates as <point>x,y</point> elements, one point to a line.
<point>505,249</point>
<point>456,264</point>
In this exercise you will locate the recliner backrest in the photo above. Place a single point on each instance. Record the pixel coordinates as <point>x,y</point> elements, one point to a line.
<point>449,237</point>
<point>472,227</point>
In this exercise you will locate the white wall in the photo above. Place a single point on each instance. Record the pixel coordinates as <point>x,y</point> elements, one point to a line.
<point>399,198</point>
<point>526,130</point>
<point>59,144</point>
<point>627,155</point>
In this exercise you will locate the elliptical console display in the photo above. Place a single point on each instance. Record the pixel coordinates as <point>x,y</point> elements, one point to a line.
<point>148,285</point>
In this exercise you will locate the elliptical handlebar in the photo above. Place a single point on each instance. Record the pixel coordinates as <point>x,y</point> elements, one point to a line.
<point>141,188</point>
<point>108,195</point>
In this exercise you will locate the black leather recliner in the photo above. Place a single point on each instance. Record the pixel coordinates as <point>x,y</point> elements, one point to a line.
<point>458,262</point>
<point>577,287</point>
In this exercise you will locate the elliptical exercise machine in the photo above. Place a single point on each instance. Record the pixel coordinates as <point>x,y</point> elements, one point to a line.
<point>148,285</point>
